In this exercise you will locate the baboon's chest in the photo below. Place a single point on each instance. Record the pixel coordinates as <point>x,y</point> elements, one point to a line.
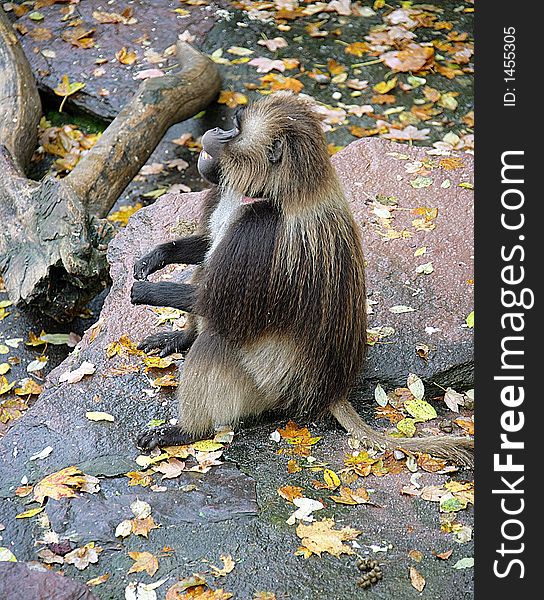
<point>226,211</point>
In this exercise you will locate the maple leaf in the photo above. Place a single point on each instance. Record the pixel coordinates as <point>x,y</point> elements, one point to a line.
<point>274,43</point>
<point>351,497</point>
<point>142,526</point>
<point>265,65</point>
<point>278,82</point>
<point>144,561</point>
<point>169,380</point>
<point>357,48</point>
<point>143,478</point>
<point>61,484</point>
<point>413,58</point>
<point>319,537</point>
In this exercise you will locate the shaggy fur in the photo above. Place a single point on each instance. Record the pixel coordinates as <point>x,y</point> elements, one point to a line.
<point>280,290</point>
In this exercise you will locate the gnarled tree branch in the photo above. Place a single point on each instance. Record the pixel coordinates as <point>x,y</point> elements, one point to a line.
<point>53,238</point>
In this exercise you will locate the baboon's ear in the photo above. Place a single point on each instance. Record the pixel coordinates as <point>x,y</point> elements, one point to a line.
<point>275,151</point>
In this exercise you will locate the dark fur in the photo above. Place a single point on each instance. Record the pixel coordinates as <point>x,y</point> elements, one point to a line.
<point>281,298</point>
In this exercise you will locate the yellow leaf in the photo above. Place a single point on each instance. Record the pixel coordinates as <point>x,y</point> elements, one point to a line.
<point>65,89</point>
<point>99,416</point>
<point>61,484</point>
<point>385,86</point>
<point>207,446</point>
<point>122,215</point>
<point>5,386</point>
<point>30,512</point>
<point>126,57</point>
<point>331,479</point>
<point>232,99</point>
<point>319,537</point>
<point>357,48</point>
<point>144,561</point>
<point>98,580</point>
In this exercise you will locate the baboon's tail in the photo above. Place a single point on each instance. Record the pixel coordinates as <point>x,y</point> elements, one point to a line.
<point>458,449</point>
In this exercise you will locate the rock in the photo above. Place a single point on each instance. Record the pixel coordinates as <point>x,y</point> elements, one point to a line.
<point>218,496</point>
<point>224,505</point>
<point>20,581</point>
<point>106,90</point>
<point>371,169</point>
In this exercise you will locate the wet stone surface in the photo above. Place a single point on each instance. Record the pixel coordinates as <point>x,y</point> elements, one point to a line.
<point>235,508</point>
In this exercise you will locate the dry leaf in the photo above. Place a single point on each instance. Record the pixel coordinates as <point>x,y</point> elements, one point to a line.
<point>126,57</point>
<point>228,566</point>
<point>319,537</point>
<point>86,368</point>
<point>417,580</point>
<point>144,561</point>
<point>290,492</point>
<point>61,484</point>
<point>81,558</point>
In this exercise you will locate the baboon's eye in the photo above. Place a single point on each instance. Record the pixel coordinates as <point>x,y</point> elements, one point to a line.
<point>275,151</point>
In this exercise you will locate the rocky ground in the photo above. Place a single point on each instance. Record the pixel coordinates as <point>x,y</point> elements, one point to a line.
<point>235,509</point>
<point>414,205</point>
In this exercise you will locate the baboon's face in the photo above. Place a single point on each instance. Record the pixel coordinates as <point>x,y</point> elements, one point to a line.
<point>213,144</point>
<point>275,147</point>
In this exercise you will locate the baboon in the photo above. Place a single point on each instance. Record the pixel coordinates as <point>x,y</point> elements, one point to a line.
<point>277,302</point>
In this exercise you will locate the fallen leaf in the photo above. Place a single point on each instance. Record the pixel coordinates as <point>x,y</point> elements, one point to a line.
<point>416,579</point>
<point>228,566</point>
<point>320,536</point>
<point>99,416</point>
<point>81,558</point>
<point>31,512</point>
<point>61,484</point>
<point>126,57</point>
<point>232,99</point>
<point>290,492</point>
<point>86,368</point>
<point>98,580</point>
<point>28,386</point>
<point>464,563</point>
<point>144,561</point>
<point>66,89</point>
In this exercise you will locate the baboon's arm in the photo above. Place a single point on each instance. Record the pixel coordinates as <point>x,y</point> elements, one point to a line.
<point>175,295</point>
<point>190,250</point>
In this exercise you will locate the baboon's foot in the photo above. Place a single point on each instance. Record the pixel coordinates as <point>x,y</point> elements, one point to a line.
<point>167,343</point>
<point>165,435</point>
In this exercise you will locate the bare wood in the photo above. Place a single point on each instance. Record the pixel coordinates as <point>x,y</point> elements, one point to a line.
<point>102,175</point>
<point>20,107</point>
<point>53,241</point>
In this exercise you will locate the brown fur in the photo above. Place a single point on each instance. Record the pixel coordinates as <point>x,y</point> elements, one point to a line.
<point>281,301</point>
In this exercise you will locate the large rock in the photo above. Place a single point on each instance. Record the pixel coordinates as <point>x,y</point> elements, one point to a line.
<point>374,169</point>
<point>19,581</point>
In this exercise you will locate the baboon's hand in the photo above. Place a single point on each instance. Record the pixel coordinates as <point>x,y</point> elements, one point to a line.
<point>167,343</point>
<point>165,435</point>
<point>146,265</point>
<point>141,292</point>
